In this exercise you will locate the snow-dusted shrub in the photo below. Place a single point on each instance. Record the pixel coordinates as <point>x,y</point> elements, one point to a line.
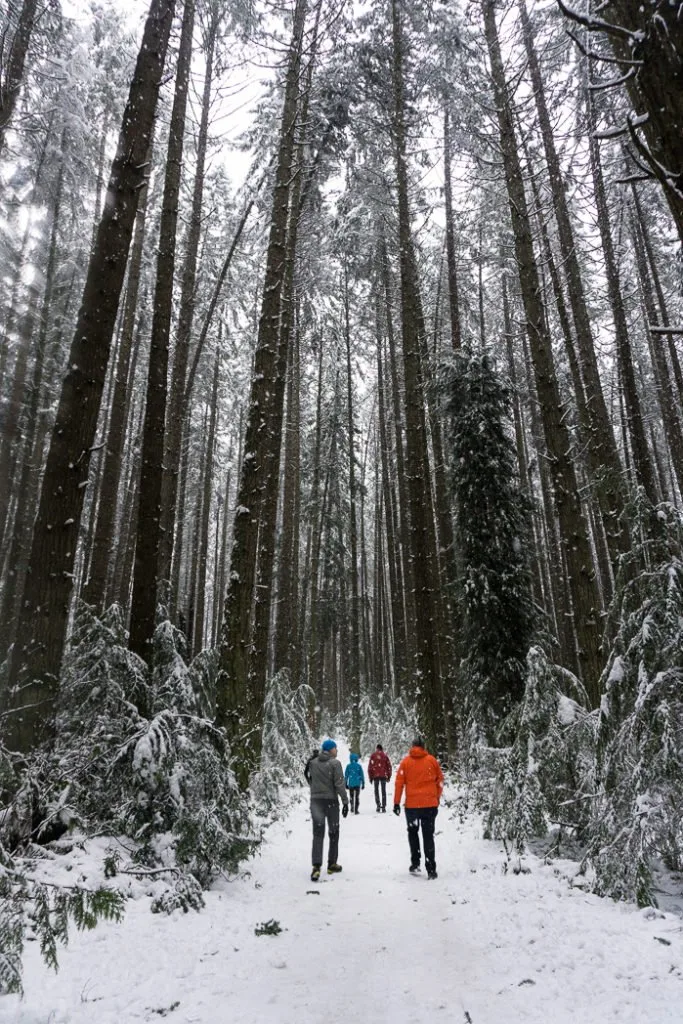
<point>104,695</point>
<point>185,894</point>
<point>637,811</point>
<point>546,774</point>
<point>137,755</point>
<point>287,738</point>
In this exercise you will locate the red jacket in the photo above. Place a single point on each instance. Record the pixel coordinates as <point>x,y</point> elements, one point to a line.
<point>421,775</point>
<point>379,766</point>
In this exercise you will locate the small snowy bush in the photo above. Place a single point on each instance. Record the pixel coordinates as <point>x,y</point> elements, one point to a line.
<point>637,812</point>
<point>546,774</point>
<point>287,738</point>
<point>136,755</point>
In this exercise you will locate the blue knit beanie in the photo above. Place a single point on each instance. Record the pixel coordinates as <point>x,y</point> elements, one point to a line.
<point>329,745</point>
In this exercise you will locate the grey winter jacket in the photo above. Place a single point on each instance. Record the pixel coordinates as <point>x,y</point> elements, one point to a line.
<point>327,778</point>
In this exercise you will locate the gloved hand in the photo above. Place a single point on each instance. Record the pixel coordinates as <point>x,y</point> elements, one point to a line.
<point>363,786</point>
<point>345,810</point>
<point>397,808</point>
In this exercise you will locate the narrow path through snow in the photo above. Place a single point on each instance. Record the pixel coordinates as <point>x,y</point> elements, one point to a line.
<point>372,944</point>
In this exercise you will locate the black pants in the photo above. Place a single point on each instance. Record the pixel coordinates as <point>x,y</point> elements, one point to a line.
<point>322,811</point>
<point>426,817</point>
<point>354,796</point>
<point>383,784</point>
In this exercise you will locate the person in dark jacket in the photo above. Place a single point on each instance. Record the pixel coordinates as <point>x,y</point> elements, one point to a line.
<point>379,772</point>
<point>327,785</point>
<point>420,775</point>
<point>354,776</point>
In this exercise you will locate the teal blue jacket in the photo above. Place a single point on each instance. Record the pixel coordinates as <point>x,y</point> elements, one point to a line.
<point>354,774</point>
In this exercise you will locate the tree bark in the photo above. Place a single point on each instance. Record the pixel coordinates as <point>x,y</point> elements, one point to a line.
<point>10,81</point>
<point>239,706</point>
<point>146,580</point>
<point>573,528</point>
<point>427,681</point>
<point>178,400</point>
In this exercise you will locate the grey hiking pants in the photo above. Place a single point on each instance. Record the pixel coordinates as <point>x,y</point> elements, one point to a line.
<point>321,811</point>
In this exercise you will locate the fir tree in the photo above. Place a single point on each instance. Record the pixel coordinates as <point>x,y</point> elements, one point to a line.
<point>492,530</point>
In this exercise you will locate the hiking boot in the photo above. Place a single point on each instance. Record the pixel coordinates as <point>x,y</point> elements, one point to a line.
<point>414,869</point>
<point>315,873</point>
<point>384,810</point>
<point>431,873</point>
<point>379,809</point>
<point>333,869</point>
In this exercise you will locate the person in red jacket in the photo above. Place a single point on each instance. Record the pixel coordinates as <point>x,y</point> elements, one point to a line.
<point>420,775</point>
<point>379,772</point>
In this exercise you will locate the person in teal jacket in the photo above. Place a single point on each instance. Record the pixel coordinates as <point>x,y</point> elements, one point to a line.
<point>354,776</point>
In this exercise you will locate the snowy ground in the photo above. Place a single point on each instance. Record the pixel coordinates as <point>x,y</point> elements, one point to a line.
<point>372,944</point>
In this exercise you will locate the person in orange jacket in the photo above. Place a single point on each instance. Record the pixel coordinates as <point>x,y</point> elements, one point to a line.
<point>420,775</point>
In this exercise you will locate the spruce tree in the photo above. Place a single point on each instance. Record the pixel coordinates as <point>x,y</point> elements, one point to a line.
<point>492,529</point>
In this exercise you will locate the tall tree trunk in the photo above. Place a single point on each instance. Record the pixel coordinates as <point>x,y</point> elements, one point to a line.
<point>239,705</point>
<point>648,39</point>
<point>207,486</point>
<point>634,415</point>
<point>178,402</point>
<point>453,297</point>
<point>96,588</point>
<point>12,77</point>
<point>37,656</point>
<point>355,611</point>
<point>427,669</point>
<point>601,446</point>
<point>665,391</point>
<point>35,428</point>
<point>573,528</point>
<point>397,618</point>
<point>288,569</point>
<point>146,575</point>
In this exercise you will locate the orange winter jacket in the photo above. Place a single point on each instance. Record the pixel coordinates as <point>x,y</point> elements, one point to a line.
<point>421,775</point>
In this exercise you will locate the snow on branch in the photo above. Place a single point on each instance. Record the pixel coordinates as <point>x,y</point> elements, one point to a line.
<point>596,24</point>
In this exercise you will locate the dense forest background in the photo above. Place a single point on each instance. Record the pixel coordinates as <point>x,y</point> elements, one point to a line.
<point>341,384</point>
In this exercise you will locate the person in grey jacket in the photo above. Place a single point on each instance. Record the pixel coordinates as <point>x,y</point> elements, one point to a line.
<point>327,784</point>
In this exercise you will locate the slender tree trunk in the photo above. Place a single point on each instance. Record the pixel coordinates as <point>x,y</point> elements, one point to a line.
<point>288,570</point>
<point>146,575</point>
<point>239,700</point>
<point>665,391</point>
<point>12,77</point>
<point>453,297</point>
<point>354,632</point>
<point>427,669</point>
<point>634,415</point>
<point>96,589</point>
<point>207,486</point>
<point>573,529</point>
<point>397,618</point>
<point>178,401</point>
<point>601,446</point>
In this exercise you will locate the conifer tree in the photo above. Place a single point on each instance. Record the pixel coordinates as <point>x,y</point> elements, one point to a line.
<point>492,532</point>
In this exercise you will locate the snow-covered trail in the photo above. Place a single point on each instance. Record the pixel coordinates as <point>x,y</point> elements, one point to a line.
<point>371,944</point>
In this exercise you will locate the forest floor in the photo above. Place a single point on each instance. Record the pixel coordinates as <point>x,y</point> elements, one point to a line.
<point>372,945</point>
